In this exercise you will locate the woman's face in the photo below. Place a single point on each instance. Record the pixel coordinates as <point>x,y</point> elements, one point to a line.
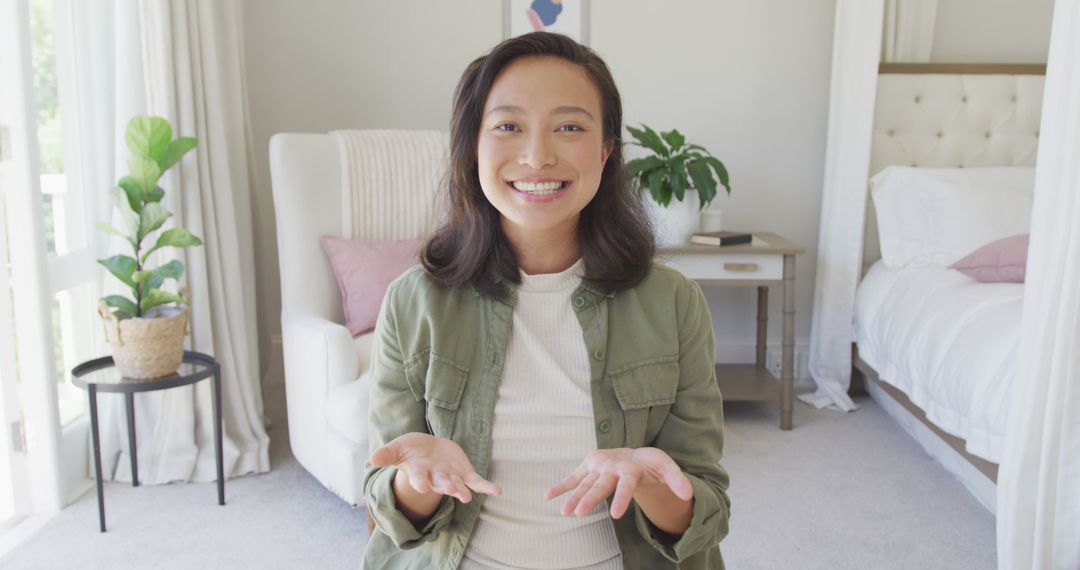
<point>541,148</point>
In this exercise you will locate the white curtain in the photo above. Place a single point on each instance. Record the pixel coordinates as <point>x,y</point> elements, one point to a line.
<point>908,34</point>
<point>856,44</point>
<point>183,60</point>
<point>1038,524</point>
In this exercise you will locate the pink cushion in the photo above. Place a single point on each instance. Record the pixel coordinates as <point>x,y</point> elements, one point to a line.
<point>1001,261</point>
<point>364,269</point>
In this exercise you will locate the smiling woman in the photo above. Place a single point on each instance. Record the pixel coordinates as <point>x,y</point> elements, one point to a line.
<point>538,352</point>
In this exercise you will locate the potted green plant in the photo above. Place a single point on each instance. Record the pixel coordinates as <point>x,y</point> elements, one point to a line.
<point>687,173</point>
<point>146,331</point>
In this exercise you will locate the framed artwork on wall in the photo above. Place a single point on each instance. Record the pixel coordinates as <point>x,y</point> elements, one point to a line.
<point>567,17</point>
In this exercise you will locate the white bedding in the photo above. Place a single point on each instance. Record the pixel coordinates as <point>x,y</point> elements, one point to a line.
<point>948,342</point>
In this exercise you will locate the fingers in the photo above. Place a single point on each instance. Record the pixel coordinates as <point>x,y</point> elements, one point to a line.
<point>461,491</point>
<point>481,485</point>
<point>571,481</point>
<point>600,490</point>
<point>578,494</point>
<point>418,478</point>
<point>386,455</point>
<point>624,492</point>
<point>677,481</point>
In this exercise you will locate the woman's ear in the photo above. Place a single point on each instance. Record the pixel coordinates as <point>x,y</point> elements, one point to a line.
<point>609,145</point>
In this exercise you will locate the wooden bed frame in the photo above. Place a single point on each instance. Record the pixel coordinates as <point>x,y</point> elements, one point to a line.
<point>863,372</point>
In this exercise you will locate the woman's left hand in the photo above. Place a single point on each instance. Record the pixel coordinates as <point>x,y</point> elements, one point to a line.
<point>625,472</point>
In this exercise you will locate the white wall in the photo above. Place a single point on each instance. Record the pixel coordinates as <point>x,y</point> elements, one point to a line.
<point>992,31</point>
<point>747,80</point>
<point>331,64</point>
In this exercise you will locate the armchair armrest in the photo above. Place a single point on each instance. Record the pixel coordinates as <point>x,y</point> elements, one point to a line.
<point>319,356</point>
<point>321,353</point>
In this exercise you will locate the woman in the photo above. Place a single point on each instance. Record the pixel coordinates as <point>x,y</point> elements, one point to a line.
<point>537,352</point>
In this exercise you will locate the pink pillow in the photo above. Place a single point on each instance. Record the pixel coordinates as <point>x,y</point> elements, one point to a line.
<point>364,269</point>
<point>1001,261</point>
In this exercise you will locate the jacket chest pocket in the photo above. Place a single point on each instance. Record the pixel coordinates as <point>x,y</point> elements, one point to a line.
<point>439,382</point>
<point>646,390</point>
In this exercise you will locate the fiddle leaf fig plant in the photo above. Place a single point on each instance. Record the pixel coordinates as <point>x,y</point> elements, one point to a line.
<point>138,199</point>
<point>675,167</point>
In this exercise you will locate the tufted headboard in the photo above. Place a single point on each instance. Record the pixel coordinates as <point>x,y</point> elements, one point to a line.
<point>952,116</point>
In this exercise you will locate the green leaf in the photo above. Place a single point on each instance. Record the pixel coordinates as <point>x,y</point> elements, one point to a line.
<point>120,200</point>
<point>148,137</point>
<point>122,266</point>
<point>113,231</point>
<point>140,276</point>
<point>134,193</point>
<point>154,297</point>
<point>656,188</point>
<point>176,149</point>
<point>696,147</point>
<point>721,172</point>
<point>176,237</point>
<point>674,138</point>
<point>172,269</point>
<point>677,179</point>
<point>122,303</point>
<point>145,172</point>
<point>153,215</point>
<point>703,180</point>
<point>640,165</point>
<point>649,140</point>
<point>155,195</point>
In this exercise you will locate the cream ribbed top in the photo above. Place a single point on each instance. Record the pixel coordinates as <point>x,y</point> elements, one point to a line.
<point>543,429</point>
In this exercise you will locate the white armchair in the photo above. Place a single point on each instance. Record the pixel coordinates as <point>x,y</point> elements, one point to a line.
<point>326,388</point>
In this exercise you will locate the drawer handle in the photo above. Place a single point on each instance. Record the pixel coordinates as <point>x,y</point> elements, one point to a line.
<point>741,267</point>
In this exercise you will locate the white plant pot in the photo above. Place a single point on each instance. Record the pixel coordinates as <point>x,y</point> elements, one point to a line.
<point>711,219</point>
<point>675,223</point>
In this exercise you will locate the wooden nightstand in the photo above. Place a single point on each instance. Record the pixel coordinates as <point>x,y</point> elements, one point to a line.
<point>768,260</point>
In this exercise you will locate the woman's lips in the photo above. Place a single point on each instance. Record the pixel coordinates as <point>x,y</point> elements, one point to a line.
<point>529,197</point>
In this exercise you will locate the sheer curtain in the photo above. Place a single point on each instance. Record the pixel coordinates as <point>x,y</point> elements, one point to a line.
<point>181,59</point>
<point>909,30</point>
<point>856,44</point>
<point>1038,523</point>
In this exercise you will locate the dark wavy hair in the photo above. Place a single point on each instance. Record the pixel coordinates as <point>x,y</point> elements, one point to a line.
<point>614,234</point>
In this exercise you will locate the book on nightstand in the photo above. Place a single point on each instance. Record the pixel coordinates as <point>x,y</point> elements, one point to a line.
<point>721,238</point>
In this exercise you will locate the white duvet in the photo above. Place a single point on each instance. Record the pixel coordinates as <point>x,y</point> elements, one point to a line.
<point>948,342</point>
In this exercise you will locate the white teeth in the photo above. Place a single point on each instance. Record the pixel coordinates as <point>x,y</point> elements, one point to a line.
<point>541,189</point>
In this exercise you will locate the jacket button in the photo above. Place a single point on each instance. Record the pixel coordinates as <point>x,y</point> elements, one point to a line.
<point>605,426</point>
<point>579,301</point>
<point>599,355</point>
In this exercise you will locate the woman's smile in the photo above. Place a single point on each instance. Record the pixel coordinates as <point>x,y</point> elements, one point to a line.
<point>545,190</point>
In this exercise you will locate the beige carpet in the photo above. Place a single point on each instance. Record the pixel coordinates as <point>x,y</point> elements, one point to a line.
<point>839,491</point>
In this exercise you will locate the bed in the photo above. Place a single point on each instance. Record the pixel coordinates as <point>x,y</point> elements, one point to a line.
<point>935,348</point>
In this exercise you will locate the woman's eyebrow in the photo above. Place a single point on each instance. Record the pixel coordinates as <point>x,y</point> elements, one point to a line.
<point>566,109</point>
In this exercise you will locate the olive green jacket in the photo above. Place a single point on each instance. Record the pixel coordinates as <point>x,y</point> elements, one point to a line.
<point>437,359</point>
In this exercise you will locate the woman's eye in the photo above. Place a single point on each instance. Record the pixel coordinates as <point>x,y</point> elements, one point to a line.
<point>510,127</point>
<point>574,127</point>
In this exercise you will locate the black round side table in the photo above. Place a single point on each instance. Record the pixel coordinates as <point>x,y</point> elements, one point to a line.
<point>101,375</point>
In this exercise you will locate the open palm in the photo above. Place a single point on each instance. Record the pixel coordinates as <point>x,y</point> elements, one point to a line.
<point>623,471</point>
<point>434,464</point>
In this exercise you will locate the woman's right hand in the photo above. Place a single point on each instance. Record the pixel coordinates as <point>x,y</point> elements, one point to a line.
<point>434,464</point>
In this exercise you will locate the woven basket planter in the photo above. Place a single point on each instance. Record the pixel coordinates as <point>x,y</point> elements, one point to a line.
<point>146,347</point>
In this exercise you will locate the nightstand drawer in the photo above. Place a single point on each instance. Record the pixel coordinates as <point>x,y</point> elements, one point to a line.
<point>726,267</point>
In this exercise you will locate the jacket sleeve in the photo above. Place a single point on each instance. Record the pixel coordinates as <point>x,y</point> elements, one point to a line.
<point>394,411</point>
<point>693,434</point>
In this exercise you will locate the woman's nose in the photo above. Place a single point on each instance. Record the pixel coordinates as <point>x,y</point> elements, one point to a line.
<point>539,152</point>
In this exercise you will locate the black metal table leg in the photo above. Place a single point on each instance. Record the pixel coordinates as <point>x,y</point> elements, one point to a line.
<point>217,434</point>
<point>92,390</point>
<point>130,401</point>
